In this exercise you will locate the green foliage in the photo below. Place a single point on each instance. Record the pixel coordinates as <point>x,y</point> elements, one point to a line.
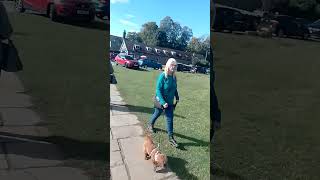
<point>302,5</point>
<point>134,36</point>
<point>149,33</point>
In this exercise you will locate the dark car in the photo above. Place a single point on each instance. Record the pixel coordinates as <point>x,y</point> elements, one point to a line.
<point>149,63</point>
<point>59,9</point>
<point>234,20</point>
<point>202,70</point>
<point>314,29</point>
<point>183,67</point>
<point>291,27</point>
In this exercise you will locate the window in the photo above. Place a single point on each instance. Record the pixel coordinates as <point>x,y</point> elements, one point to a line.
<point>158,50</point>
<point>165,51</point>
<point>149,48</point>
<point>136,46</point>
<point>128,57</point>
<point>173,53</point>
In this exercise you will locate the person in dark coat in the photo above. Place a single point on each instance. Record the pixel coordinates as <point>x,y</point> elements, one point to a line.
<point>5,31</point>
<point>215,113</point>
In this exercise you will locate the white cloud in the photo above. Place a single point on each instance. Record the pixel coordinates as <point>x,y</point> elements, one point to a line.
<point>130,16</point>
<point>133,30</point>
<point>119,1</point>
<point>128,23</point>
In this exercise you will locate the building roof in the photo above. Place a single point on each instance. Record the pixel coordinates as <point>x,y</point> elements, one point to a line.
<point>115,43</point>
<point>160,51</point>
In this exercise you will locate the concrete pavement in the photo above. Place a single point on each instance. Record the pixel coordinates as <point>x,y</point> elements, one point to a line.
<point>126,141</point>
<point>22,156</point>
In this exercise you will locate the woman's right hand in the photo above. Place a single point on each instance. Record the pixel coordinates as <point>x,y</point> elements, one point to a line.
<point>165,105</point>
<point>5,41</point>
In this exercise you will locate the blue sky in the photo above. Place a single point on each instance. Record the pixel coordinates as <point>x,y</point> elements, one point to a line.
<point>131,14</point>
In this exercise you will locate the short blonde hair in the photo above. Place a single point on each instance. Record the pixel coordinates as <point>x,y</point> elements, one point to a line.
<point>168,64</point>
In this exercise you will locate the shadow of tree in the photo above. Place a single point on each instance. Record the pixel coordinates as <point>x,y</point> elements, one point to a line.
<point>72,148</point>
<point>196,142</point>
<point>179,168</point>
<point>219,173</point>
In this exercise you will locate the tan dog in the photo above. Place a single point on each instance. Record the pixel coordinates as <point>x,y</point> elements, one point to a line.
<point>151,151</point>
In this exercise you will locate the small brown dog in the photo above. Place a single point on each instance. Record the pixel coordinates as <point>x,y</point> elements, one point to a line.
<point>151,151</point>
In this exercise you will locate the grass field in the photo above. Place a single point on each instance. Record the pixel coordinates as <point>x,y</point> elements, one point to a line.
<point>269,94</point>
<point>65,74</point>
<point>191,122</point>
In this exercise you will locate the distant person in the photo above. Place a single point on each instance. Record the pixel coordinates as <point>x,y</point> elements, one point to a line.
<point>166,91</point>
<point>5,32</point>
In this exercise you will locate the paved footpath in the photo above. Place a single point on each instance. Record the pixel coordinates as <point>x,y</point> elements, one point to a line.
<point>126,141</point>
<point>22,156</point>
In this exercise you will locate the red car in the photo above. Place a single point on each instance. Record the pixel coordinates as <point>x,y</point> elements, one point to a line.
<point>126,61</point>
<point>57,10</point>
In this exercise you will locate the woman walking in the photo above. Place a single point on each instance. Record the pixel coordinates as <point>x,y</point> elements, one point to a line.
<point>166,91</point>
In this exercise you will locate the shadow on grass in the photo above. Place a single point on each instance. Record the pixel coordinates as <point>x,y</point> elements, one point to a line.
<point>220,173</point>
<point>196,142</point>
<point>147,110</point>
<point>178,166</point>
<point>48,147</point>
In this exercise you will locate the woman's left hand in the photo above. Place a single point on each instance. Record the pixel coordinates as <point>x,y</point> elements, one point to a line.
<point>5,41</point>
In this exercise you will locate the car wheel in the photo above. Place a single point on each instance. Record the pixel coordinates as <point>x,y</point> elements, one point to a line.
<point>53,13</point>
<point>19,6</point>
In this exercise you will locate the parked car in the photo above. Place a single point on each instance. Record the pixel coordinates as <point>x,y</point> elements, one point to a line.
<point>127,61</point>
<point>102,8</point>
<point>112,56</point>
<point>183,67</point>
<point>314,29</point>
<point>234,20</point>
<point>149,63</point>
<point>58,10</point>
<point>202,70</point>
<point>291,26</point>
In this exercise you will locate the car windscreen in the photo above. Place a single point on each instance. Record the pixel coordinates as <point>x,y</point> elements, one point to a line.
<point>128,57</point>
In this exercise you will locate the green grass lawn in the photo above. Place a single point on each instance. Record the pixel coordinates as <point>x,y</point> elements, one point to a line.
<point>65,73</point>
<point>191,122</point>
<point>269,93</point>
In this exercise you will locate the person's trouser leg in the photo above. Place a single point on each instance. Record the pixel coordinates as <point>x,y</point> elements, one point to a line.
<point>157,112</point>
<point>169,116</point>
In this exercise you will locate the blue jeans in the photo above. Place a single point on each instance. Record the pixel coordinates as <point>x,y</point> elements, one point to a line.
<point>169,116</point>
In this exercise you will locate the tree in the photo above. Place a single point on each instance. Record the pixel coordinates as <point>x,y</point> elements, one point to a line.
<point>177,37</point>
<point>184,37</point>
<point>161,38</point>
<point>134,36</point>
<point>194,46</point>
<point>149,33</point>
<point>124,34</point>
<point>199,45</point>
<point>302,5</point>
